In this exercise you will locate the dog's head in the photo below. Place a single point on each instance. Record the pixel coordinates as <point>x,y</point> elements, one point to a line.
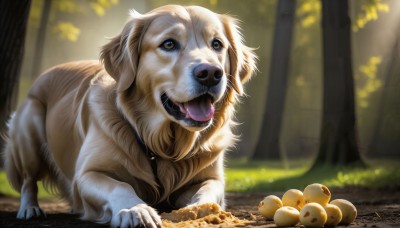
<point>186,59</point>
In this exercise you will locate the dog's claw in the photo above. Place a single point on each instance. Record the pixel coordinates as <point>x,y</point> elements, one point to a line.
<point>31,212</point>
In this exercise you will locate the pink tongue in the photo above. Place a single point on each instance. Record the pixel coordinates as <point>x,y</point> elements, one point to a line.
<point>200,109</point>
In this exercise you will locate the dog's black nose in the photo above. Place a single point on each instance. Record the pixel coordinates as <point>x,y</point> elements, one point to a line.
<point>207,75</point>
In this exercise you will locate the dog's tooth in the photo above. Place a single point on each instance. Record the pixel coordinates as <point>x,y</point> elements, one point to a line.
<point>182,109</point>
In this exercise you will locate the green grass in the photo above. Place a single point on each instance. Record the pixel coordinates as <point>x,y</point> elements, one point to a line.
<point>6,189</point>
<point>270,176</point>
<point>243,176</point>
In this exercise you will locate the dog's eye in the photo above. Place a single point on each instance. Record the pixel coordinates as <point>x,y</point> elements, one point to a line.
<point>217,45</point>
<point>169,45</point>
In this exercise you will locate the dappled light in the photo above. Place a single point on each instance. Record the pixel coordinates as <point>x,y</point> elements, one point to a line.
<point>77,30</point>
<point>268,176</point>
<point>369,81</point>
<point>67,31</point>
<point>101,6</point>
<point>370,12</point>
<point>323,105</point>
<point>309,12</point>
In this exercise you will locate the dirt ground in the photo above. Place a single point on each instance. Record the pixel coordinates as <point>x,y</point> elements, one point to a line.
<point>376,208</point>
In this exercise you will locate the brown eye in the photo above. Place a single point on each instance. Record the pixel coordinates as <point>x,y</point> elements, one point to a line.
<point>169,45</point>
<point>217,45</point>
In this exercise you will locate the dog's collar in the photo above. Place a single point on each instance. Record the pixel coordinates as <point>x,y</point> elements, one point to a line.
<point>149,153</point>
<point>152,158</point>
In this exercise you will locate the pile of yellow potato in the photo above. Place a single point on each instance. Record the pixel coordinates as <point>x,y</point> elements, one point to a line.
<point>311,208</point>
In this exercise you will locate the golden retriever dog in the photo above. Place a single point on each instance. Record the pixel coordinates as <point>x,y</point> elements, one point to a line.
<point>146,128</point>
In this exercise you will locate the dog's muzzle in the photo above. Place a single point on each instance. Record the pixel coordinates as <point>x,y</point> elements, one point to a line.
<point>198,112</point>
<point>208,75</point>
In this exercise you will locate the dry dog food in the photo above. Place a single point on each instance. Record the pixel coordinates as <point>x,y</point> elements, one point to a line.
<point>204,215</point>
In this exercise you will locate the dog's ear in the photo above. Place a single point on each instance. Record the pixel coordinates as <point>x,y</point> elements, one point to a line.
<point>242,60</point>
<point>120,55</point>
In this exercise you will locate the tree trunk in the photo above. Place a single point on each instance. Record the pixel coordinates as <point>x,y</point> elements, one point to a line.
<point>13,22</point>
<point>338,143</point>
<point>268,145</point>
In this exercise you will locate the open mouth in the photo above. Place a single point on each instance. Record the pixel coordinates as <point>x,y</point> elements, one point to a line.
<point>196,112</point>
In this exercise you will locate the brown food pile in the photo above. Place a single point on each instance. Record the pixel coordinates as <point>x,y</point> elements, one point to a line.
<point>204,215</point>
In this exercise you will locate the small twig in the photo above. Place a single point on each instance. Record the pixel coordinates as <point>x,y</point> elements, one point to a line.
<point>376,213</point>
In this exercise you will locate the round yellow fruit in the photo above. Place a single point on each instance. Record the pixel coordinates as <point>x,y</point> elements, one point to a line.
<point>269,205</point>
<point>349,211</point>
<point>334,215</point>
<point>286,216</point>
<point>293,198</point>
<point>313,215</point>
<point>317,193</point>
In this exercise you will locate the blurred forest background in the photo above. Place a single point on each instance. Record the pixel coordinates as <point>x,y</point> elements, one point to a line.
<point>59,31</point>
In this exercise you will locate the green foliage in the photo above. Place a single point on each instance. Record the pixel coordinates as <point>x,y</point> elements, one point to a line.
<point>100,6</point>
<point>309,12</point>
<point>67,6</point>
<point>368,79</point>
<point>66,30</point>
<point>369,12</point>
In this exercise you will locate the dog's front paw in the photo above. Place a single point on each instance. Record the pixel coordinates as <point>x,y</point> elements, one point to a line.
<point>30,212</point>
<point>140,214</point>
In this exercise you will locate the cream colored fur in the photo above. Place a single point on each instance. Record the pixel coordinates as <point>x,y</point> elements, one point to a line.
<point>75,128</point>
